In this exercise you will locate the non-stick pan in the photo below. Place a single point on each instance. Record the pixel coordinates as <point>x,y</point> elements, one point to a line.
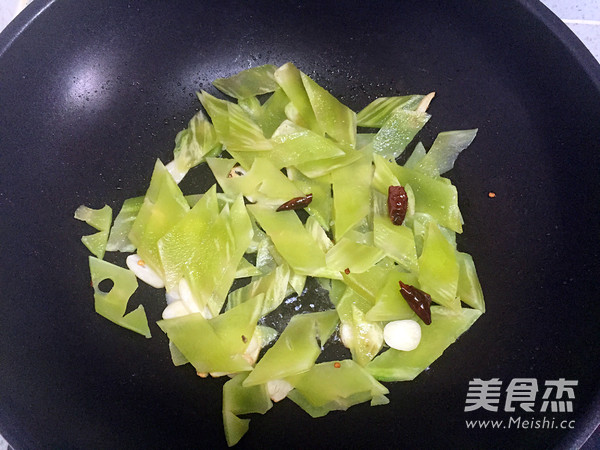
<point>93,91</point>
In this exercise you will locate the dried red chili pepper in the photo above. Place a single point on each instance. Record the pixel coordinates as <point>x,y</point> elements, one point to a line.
<point>419,301</point>
<point>296,203</point>
<point>397,204</point>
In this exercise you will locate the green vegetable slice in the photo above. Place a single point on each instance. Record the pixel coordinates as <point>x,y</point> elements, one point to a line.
<point>335,119</point>
<point>376,113</point>
<point>293,242</point>
<point>238,400</point>
<point>351,195</point>
<point>289,79</point>
<point>397,132</point>
<point>438,269</point>
<point>273,286</point>
<point>113,304</point>
<point>445,149</point>
<point>296,349</point>
<point>364,338</point>
<point>396,241</point>
<point>164,206</point>
<point>334,386</point>
<point>100,219</point>
<point>469,289</point>
<point>192,145</point>
<point>294,145</point>
<point>248,83</point>
<point>446,326</point>
<point>433,196</point>
<point>273,112</point>
<point>96,243</point>
<point>352,256</point>
<point>389,303</point>
<point>205,248</point>
<point>118,239</point>
<point>216,345</point>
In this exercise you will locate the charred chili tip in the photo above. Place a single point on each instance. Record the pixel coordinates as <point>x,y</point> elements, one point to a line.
<point>397,203</point>
<point>296,203</point>
<point>419,301</point>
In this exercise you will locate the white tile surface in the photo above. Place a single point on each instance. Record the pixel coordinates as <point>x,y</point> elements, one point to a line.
<point>574,9</point>
<point>582,17</point>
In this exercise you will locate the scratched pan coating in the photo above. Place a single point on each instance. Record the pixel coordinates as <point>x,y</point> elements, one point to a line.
<point>92,92</point>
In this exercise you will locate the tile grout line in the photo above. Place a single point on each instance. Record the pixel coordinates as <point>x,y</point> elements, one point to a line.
<point>581,21</point>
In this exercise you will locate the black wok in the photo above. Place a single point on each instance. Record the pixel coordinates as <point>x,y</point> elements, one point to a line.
<point>92,92</point>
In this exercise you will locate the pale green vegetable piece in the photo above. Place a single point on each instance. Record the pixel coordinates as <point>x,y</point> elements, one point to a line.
<point>96,243</point>
<point>363,337</point>
<point>445,149</point>
<point>263,183</point>
<point>328,387</point>
<point>294,145</point>
<point>292,240</point>
<point>118,240</point>
<point>164,206</point>
<point>215,345</point>
<point>389,303</point>
<point>320,188</point>
<point>433,196</point>
<point>368,283</point>
<point>416,156</point>
<point>318,234</point>
<point>235,428</point>
<point>100,219</point>
<point>289,79</point>
<point>273,112</point>
<point>193,144</point>
<point>438,269</point>
<point>356,257</point>
<point>205,248</point>
<point>248,83</point>
<point>396,241</point>
<point>267,334</point>
<point>234,127</point>
<point>364,139</point>
<point>252,106</point>
<point>238,400</point>
<point>469,289</point>
<point>351,195</point>
<point>113,304</point>
<point>397,132</point>
<point>446,326</point>
<point>419,222</point>
<point>296,349</point>
<point>349,299</point>
<point>273,286</point>
<point>176,356</point>
<point>383,177</point>
<point>321,167</point>
<point>335,119</point>
<point>246,269</point>
<point>376,113</point>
